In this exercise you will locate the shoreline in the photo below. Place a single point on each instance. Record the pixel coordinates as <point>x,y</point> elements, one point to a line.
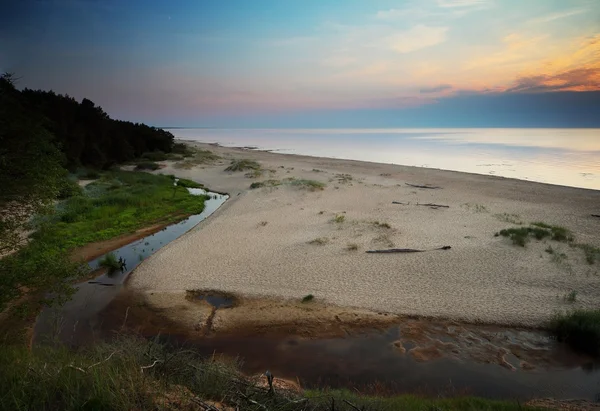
<point>236,235</point>
<point>248,149</point>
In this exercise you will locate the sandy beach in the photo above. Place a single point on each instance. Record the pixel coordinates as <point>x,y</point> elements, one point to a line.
<point>286,242</point>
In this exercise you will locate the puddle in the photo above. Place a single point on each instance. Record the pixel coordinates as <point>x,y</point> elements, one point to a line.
<point>216,299</point>
<point>92,296</point>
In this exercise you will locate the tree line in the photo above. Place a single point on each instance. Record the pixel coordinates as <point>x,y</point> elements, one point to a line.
<point>44,135</point>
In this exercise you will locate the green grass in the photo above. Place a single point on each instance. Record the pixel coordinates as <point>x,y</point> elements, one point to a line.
<point>184,182</point>
<point>155,156</point>
<point>308,298</point>
<point>339,218</point>
<point>183,150</point>
<point>119,202</point>
<point>267,183</point>
<point>580,329</point>
<point>243,165</point>
<point>591,253</point>
<point>311,185</point>
<point>135,374</point>
<point>110,262</point>
<point>147,165</point>
<point>521,235</point>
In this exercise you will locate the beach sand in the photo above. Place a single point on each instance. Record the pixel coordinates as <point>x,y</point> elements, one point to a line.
<point>261,242</point>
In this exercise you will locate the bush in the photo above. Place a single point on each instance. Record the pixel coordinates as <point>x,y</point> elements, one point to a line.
<point>243,165</point>
<point>155,156</point>
<point>147,165</point>
<point>110,262</point>
<point>68,188</point>
<point>580,329</point>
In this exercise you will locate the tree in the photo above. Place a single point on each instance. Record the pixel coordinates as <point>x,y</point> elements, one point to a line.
<point>30,166</point>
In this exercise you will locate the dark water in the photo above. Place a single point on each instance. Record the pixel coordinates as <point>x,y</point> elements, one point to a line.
<point>80,314</point>
<point>370,363</point>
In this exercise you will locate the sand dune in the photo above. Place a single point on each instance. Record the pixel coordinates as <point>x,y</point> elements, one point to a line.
<point>262,241</point>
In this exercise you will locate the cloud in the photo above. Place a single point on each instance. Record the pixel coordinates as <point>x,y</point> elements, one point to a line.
<point>557,16</point>
<point>435,89</point>
<point>416,38</point>
<point>581,79</point>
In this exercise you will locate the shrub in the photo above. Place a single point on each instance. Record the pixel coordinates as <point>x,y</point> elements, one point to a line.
<point>339,218</point>
<point>147,165</point>
<point>243,165</point>
<point>110,262</point>
<point>155,156</point>
<point>308,298</point>
<point>580,329</point>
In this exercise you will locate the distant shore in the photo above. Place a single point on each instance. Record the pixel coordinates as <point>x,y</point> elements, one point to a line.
<point>288,239</point>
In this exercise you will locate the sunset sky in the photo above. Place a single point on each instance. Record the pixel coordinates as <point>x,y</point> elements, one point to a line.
<point>315,62</point>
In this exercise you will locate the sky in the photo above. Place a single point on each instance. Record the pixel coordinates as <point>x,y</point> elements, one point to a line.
<point>315,63</point>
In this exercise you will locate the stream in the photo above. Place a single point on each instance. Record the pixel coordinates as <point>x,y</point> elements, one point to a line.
<point>81,314</point>
<point>417,356</point>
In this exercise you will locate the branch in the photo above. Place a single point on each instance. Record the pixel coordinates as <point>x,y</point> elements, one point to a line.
<point>98,363</point>
<point>423,186</point>
<point>352,405</point>
<point>145,367</point>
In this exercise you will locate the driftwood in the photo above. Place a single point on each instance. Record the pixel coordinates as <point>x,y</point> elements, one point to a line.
<point>424,205</point>
<point>405,250</point>
<point>423,186</point>
<point>433,205</point>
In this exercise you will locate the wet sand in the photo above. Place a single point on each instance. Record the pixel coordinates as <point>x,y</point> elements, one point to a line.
<point>259,243</point>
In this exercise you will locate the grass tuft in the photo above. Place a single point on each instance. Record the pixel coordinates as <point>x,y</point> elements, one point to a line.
<point>319,241</point>
<point>352,247</point>
<point>197,157</point>
<point>147,165</point>
<point>308,298</point>
<point>520,235</point>
<point>339,218</point>
<point>267,183</point>
<point>243,165</point>
<point>580,329</point>
<point>311,185</point>
<point>110,262</point>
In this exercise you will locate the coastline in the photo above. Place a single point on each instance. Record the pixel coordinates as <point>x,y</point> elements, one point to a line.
<point>481,279</point>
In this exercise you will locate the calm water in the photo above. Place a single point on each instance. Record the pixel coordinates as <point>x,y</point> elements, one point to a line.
<point>568,157</point>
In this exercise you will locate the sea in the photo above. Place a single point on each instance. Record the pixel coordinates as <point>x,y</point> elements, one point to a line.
<point>561,156</point>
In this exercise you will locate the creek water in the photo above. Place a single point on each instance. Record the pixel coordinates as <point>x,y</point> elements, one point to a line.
<point>80,315</point>
<point>488,361</point>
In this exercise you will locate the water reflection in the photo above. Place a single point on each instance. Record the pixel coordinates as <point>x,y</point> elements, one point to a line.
<point>556,156</point>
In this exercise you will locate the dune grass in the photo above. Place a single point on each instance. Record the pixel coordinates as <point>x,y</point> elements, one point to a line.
<point>521,235</point>
<point>243,165</point>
